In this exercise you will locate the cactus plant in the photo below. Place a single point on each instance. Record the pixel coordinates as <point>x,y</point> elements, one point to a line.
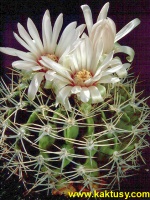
<point>71,119</point>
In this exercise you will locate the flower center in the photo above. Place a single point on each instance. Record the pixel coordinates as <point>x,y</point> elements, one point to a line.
<point>81,76</point>
<point>52,57</point>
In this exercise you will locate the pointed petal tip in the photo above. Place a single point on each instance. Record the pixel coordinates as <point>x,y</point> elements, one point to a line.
<point>29,20</point>
<point>138,21</point>
<point>107,4</point>
<point>84,7</point>
<point>18,24</point>
<point>60,15</point>
<point>1,48</point>
<point>14,33</point>
<point>47,11</point>
<point>46,14</point>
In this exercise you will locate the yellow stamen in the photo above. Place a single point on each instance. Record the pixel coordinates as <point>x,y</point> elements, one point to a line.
<point>52,57</point>
<point>81,76</point>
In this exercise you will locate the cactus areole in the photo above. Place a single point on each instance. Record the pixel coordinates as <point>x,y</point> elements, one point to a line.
<point>71,119</point>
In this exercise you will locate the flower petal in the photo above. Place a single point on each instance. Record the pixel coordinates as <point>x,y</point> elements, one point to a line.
<point>85,94</point>
<point>23,33</point>
<point>56,67</point>
<point>127,50</point>
<point>76,89</point>
<point>23,65</point>
<point>83,54</point>
<point>112,70</point>
<point>50,75</point>
<point>34,34</point>
<point>89,52</point>
<point>34,85</point>
<point>98,50</point>
<point>58,85</point>
<point>68,37</point>
<point>71,27</point>
<point>36,68</point>
<point>105,63</point>
<point>122,73</point>
<point>80,29</point>
<point>109,79</point>
<point>127,28</point>
<point>24,44</point>
<point>10,51</point>
<point>56,30</point>
<point>95,94</point>
<point>88,17</point>
<point>26,56</point>
<point>102,90</point>
<point>61,79</point>
<point>63,94</point>
<point>46,31</point>
<point>74,64</point>
<point>103,13</point>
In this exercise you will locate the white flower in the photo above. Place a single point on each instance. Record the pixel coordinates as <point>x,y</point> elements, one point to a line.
<point>84,73</point>
<point>49,46</point>
<point>105,29</point>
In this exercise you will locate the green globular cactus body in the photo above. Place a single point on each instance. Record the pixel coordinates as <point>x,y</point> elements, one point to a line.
<point>85,145</point>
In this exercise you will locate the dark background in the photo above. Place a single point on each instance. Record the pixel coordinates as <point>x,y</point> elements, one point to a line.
<point>121,11</point>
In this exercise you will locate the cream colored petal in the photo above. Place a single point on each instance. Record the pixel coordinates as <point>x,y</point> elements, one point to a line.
<point>26,56</point>
<point>58,85</point>
<point>10,51</point>
<point>88,17</point>
<point>20,64</point>
<point>112,70</point>
<point>71,27</point>
<point>61,79</point>
<point>89,54</point>
<point>109,79</point>
<point>49,75</point>
<point>125,49</point>
<point>92,80</point>
<point>67,40</point>
<point>78,58</point>
<point>76,89</point>
<point>56,67</point>
<point>85,94</point>
<point>103,13</point>
<point>46,31</point>
<point>122,73</point>
<point>98,50</point>
<point>112,25</point>
<point>102,90</point>
<point>67,105</point>
<point>105,64</point>
<point>23,33</point>
<point>34,85</point>
<point>63,94</point>
<point>80,29</point>
<point>95,94</point>
<point>24,44</point>
<point>127,29</point>
<point>56,30</point>
<point>36,68</point>
<point>115,61</point>
<point>34,34</point>
<point>95,27</point>
<point>74,64</point>
<point>83,54</point>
